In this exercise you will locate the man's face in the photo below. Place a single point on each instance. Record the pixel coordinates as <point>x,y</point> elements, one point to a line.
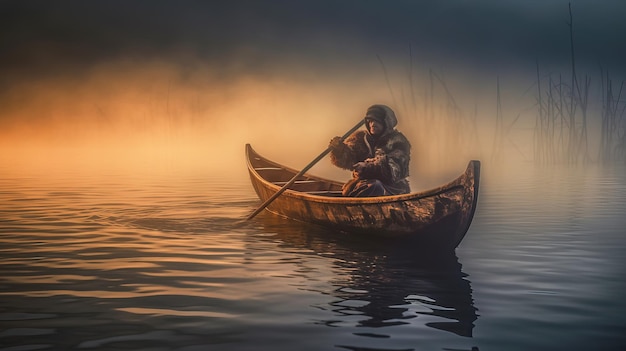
<point>375,127</point>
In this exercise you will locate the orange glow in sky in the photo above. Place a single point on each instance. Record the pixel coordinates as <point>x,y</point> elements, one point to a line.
<point>122,115</point>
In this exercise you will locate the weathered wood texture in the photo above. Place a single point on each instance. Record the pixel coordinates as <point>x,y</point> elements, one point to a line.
<point>439,216</point>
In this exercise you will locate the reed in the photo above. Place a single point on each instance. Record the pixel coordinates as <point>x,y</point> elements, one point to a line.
<point>620,148</point>
<point>439,127</point>
<point>613,126</point>
<point>560,133</point>
<point>498,139</point>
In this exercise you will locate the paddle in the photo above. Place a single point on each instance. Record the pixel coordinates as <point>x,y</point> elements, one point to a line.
<point>304,170</point>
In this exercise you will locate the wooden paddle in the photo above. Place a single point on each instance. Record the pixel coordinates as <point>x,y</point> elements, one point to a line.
<point>304,170</point>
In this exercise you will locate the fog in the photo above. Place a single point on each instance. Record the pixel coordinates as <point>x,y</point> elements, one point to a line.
<point>130,117</point>
<point>143,88</point>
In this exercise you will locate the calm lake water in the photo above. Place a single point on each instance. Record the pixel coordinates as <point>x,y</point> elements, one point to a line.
<point>153,262</point>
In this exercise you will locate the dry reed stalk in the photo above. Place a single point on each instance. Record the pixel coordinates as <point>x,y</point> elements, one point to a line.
<point>566,106</point>
<point>499,130</point>
<point>612,138</point>
<point>441,126</point>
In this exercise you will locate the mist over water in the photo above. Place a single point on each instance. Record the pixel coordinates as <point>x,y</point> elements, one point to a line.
<point>187,86</point>
<point>151,115</point>
<point>129,117</point>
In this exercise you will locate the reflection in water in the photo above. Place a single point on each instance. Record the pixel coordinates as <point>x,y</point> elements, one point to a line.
<point>387,283</point>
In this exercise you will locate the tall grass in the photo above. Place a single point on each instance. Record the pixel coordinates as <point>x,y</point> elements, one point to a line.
<point>561,127</point>
<point>440,130</point>
<point>563,118</point>
<point>613,128</point>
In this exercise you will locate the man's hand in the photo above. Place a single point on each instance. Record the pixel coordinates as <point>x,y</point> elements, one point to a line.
<point>357,168</point>
<point>335,143</point>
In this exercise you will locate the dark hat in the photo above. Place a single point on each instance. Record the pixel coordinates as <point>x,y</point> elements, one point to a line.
<point>376,112</point>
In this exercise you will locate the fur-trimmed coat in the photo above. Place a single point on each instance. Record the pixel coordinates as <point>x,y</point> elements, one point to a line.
<point>386,158</point>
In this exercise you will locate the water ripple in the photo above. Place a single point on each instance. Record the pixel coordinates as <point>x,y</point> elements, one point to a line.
<point>116,263</point>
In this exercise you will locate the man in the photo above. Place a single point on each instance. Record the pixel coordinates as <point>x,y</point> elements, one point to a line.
<point>378,156</point>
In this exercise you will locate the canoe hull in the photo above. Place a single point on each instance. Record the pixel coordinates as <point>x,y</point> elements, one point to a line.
<point>439,216</point>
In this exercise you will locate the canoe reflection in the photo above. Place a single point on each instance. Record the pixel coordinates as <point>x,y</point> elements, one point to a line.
<point>390,282</point>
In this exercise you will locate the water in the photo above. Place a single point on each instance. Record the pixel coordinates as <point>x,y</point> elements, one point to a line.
<point>153,262</point>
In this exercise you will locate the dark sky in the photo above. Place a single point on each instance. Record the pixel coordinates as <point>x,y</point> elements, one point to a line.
<point>62,37</point>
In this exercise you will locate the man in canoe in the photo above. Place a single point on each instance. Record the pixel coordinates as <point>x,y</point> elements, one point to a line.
<point>377,156</point>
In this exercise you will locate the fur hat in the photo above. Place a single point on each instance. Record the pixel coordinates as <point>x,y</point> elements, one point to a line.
<point>376,112</point>
<point>383,114</point>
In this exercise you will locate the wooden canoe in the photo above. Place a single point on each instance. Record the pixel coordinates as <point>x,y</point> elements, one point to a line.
<point>439,216</point>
